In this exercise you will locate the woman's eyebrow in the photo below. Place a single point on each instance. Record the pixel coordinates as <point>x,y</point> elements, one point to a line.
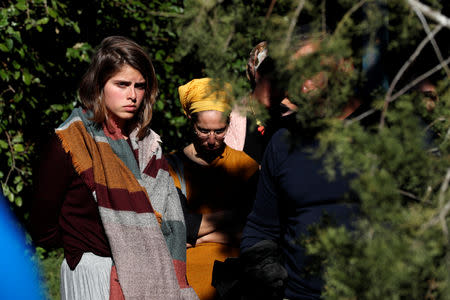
<point>122,81</point>
<point>201,128</point>
<point>129,82</point>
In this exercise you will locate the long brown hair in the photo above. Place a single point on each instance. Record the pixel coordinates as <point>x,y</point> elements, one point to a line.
<point>113,53</point>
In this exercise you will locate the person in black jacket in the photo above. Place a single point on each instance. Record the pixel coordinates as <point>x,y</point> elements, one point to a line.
<point>293,194</point>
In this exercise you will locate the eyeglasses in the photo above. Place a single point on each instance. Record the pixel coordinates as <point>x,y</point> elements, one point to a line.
<point>204,133</point>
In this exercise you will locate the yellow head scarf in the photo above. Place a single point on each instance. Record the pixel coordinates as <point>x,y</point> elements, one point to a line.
<point>201,95</point>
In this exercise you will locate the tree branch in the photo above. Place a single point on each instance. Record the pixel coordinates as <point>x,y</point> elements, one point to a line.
<point>432,40</point>
<point>269,11</point>
<point>324,18</point>
<point>447,135</point>
<point>442,215</point>
<point>444,188</point>
<point>297,12</point>
<point>361,116</point>
<point>409,195</point>
<point>440,119</point>
<point>348,14</point>
<point>10,88</point>
<point>443,211</point>
<point>228,40</point>
<point>164,14</point>
<point>419,79</point>
<point>432,14</point>
<point>403,69</point>
<point>401,92</point>
<point>213,27</point>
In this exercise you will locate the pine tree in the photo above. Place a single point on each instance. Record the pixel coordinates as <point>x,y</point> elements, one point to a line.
<point>393,49</point>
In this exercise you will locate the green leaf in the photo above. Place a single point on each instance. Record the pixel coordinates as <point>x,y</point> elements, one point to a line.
<point>18,201</point>
<point>159,105</point>
<point>17,138</point>
<point>17,97</point>
<point>39,67</point>
<point>19,148</point>
<point>159,54</point>
<point>21,5</point>
<point>14,33</point>
<point>3,20</point>
<point>4,75</point>
<point>76,28</point>
<point>52,13</point>
<point>3,144</point>
<point>16,65</point>
<point>19,187</point>
<point>26,77</point>
<point>21,53</point>
<point>4,47</point>
<point>10,196</point>
<point>9,44</point>
<point>42,21</point>
<point>57,107</point>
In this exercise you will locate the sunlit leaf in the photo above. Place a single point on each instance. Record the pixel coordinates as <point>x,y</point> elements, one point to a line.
<point>26,77</point>
<point>4,47</point>
<point>19,148</point>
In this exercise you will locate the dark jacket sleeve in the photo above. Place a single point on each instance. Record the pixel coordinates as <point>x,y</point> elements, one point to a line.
<point>51,179</point>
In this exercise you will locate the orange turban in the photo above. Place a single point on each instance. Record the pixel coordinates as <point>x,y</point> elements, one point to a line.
<point>201,95</point>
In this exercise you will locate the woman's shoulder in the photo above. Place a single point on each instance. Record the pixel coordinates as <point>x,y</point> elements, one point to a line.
<point>175,157</point>
<point>53,159</point>
<point>53,147</point>
<point>239,160</point>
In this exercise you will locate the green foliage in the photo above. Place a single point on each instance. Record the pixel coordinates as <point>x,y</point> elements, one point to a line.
<point>45,47</point>
<point>398,250</point>
<point>400,247</point>
<point>25,73</point>
<point>219,35</point>
<point>401,158</point>
<point>49,263</point>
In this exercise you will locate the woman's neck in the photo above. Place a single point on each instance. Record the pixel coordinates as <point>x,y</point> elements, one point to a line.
<point>115,129</point>
<point>204,158</point>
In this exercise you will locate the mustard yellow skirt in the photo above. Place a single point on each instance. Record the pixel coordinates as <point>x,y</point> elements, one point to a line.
<point>199,266</point>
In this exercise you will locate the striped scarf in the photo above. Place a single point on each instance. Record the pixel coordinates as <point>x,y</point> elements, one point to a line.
<point>138,204</point>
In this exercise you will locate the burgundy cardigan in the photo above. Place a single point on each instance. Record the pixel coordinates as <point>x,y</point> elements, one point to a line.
<point>64,212</point>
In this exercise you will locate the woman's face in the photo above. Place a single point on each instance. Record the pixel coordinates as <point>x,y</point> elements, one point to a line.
<point>123,94</point>
<point>210,128</point>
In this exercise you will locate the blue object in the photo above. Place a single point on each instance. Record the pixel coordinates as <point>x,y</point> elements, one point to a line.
<point>18,274</point>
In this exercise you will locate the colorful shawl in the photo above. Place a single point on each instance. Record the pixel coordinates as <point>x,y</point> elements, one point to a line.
<point>138,204</point>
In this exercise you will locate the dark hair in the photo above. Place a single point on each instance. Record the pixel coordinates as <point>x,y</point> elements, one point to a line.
<point>112,54</point>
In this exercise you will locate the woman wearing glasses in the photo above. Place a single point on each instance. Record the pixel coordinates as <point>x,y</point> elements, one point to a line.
<point>217,183</point>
